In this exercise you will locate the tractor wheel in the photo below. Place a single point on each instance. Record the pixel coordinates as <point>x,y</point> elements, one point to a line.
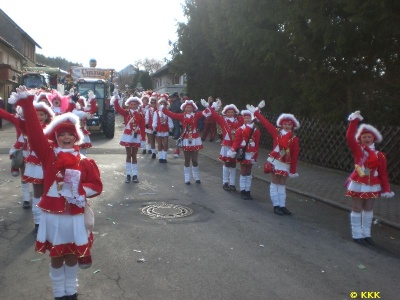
<point>109,125</point>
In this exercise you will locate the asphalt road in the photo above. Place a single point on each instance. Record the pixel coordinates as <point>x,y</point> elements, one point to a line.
<point>227,248</point>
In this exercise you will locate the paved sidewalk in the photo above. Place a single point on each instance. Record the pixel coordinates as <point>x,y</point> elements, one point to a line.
<point>322,184</point>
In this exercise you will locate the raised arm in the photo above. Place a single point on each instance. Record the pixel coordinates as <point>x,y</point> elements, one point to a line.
<point>354,119</point>
<point>176,116</point>
<point>34,131</point>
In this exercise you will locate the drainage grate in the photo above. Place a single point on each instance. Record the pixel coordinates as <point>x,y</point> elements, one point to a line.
<point>166,211</point>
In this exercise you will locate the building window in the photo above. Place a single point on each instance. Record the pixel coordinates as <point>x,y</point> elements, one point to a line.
<point>175,80</point>
<point>1,57</point>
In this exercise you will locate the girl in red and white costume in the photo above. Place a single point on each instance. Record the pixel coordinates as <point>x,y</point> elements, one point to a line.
<point>191,141</point>
<point>145,106</point>
<point>134,133</point>
<point>162,126</point>
<point>151,138</point>
<point>369,180</point>
<point>284,156</point>
<point>59,103</point>
<point>247,133</point>
<point>91,104</point>
<point>20,144</point>
<point>33,172</point>
<point>229,122</point>
<point>83,115</point>
<point>69,179</point>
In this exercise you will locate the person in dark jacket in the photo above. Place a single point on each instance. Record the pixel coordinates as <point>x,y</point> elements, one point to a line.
<point>176,108</point>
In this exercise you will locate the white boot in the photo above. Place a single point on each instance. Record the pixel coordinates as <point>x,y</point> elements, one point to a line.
<point>242,183</point>
<point>26,196</point>
<point>225,174</point>
<point>195,172</point>
<point>71,280</point>
<point>165,154</point>
<point>128,168</point>
<point>57,277</point>
<point>36,211</point>
<point>232,176</point>
<point>248,187</point>
<point>273,193</point>
<point>186,172</point>
<point>356,229</point>
<point>135,173</point>
<point>282,199</point>
<point>135,169</point>
<point>248,183</point>
<point>367,217</point>
<point>282,195</point>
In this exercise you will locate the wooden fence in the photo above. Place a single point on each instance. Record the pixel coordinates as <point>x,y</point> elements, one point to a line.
<point>324,144</point>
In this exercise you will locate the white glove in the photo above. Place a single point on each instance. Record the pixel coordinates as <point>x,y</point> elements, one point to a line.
<point>13,98</point>
<point>21,93</point>
<point>204,103</point>
<point>217,104</point>
<point>91,95</point>
<point>387,195</point>
<point>293,175</point>
<point>252,161</point>
<point>251,108</point>
<point>231,153</point>
<point>71,92</point>
<point>355,115</point>
<point>252,144</point>
<point>261,104</point>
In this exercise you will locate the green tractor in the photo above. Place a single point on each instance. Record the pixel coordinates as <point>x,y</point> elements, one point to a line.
<point>104,119</point>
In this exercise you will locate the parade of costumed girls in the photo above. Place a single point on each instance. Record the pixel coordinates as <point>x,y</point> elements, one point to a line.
<point>369,180</point>
<point>162,126</point>
<point>190,138</point>
<point>229,122</point>
<point>68,179</point>
<point>134,133</point>
<point>282,160</point>
<point>246,141</point>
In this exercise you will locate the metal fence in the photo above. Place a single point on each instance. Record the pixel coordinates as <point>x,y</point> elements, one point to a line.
<point>324,144</point>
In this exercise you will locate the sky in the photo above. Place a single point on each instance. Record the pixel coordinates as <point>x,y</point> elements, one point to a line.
<point>116,33</point>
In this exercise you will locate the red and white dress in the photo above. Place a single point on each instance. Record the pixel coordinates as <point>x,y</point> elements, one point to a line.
<point>162,124</point>
<point>373,181</point>
<point>134,131</point>
<point>191,140</point>
<point>149,119</point>
<point>286,148</point>
<point>33,172</point>
<point>245,135</point>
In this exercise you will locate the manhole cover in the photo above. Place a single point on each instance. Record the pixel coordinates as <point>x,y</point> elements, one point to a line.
<point>166,211</point>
